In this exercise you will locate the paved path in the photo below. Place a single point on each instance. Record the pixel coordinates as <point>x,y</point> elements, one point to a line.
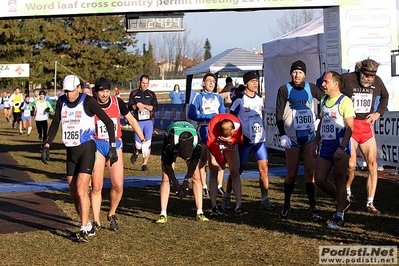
<point>27,210</point>
<point>131,181</point>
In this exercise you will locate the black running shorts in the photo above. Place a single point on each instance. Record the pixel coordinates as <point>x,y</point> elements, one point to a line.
<point>80,159</point>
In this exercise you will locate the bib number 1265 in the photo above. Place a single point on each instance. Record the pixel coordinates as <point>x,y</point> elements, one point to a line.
<point>71,135</point>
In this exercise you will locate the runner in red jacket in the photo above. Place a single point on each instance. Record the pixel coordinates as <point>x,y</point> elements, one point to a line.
<point>224,135</point>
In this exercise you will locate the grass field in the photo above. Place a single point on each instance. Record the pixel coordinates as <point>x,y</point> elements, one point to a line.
<point>260,238</point>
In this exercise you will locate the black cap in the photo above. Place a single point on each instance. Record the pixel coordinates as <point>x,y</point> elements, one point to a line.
<point>249,76</point>
<point>102,84</point>
<point>298,65</point>
<point>42,92</point>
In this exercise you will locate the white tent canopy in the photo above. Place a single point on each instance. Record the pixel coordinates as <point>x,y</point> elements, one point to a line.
<point>305,43</point>
<point>231,60</point>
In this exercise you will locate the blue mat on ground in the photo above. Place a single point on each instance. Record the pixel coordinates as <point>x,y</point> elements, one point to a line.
<point>130,181</point>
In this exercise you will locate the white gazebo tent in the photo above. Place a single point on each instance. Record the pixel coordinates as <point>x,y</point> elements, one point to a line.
<point>305,43</point>
<point>231,60</point>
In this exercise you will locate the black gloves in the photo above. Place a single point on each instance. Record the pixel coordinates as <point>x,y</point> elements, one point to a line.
<point>184,189</point>
<point>32,113</point>
<point>112,155</point>
<point>46,110</point>
<point>45,155</point>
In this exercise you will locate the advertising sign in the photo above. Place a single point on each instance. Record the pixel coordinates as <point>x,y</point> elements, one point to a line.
<point>14,70</point>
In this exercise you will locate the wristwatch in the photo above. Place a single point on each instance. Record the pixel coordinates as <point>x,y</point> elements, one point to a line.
<point>342,148</point>
<point>143,140</point>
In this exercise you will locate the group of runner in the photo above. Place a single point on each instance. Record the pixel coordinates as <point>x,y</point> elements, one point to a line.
<point>323,126</point>
<point>20,109</point>
<point>326,127</point>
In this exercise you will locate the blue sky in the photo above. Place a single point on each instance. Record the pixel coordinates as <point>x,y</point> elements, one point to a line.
<point>225,30</point>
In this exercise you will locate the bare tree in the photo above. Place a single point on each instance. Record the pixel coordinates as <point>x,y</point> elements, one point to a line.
<point>174,49</point>
<point>294,19</point>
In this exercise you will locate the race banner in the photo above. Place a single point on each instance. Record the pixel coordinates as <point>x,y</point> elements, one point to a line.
<point>21,8</point>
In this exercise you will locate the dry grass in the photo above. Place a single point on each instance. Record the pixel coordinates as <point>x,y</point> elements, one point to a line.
<point>258,239</point>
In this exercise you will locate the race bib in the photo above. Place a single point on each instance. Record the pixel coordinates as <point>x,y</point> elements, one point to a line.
<point>102,132</point>
<point>144,114</point>
<point>71,137</point>
<point>257,133</point>
<point>209,106</point>
<point>303,119</point>
<point>26,113</point>
<point>41,116</point>
<point>362,102</point>
<point>327,129</point>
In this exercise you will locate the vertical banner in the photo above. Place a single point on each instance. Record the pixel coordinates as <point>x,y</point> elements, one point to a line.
<point>386,130</point>
<point>272,134</point>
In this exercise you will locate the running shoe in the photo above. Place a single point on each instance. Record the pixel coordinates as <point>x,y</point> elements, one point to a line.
<point>162,219</point>
<point>350,197</point>
<point>94,228</point>
<point>201,217</point>
<point>221,192</point>
<point>215,212</point>
<point>74,236</point>
<point>371,209</point>
<point>133,158</point>
<point>240,211</point>
<point>205,192</point>
<point>144,168</point>
<point>267,205</point>
<point>284,212</point>
<point>113,222</point>
<point>226,203</point>
<point>8,119</point>
<point>80,236</point>
<point>314,215</point>
<point>336,222</point>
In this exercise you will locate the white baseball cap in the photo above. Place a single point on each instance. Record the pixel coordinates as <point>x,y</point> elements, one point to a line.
<point>70,83</point>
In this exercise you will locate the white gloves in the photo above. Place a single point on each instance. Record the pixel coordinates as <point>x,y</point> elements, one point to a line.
<point>145,149</point>
<point>285,142</point>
